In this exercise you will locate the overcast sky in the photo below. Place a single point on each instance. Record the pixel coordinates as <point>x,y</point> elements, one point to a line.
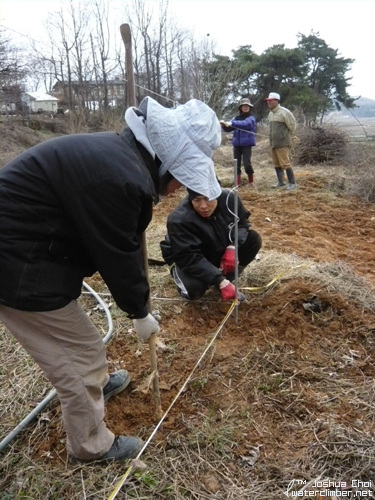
<point>346,25</point>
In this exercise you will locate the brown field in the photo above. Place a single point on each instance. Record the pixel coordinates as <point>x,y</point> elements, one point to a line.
<point>285,392</point>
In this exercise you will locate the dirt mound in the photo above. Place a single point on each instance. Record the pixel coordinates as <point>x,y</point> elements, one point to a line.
<point>16,137</point>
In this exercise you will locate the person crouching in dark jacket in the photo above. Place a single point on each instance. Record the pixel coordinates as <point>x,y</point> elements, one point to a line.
<point>199,244</point>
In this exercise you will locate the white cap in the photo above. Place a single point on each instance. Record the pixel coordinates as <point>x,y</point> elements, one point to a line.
<point>273,96</point>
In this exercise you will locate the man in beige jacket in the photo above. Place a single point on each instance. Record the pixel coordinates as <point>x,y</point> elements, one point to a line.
<point>282,129</point>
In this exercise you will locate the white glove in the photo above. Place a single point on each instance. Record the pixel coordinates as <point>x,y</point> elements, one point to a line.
<point>145,327</point>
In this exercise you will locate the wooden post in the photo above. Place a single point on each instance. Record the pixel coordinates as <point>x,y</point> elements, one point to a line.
<point>131,101</point>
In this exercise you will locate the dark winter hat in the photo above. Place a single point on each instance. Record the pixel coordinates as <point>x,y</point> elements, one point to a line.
<point>193,194</point>
<point>245,101</point>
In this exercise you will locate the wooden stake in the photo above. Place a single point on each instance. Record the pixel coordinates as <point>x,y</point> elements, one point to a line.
<point>131,101</point>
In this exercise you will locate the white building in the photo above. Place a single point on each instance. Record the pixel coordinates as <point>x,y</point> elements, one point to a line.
<point>38,102</point>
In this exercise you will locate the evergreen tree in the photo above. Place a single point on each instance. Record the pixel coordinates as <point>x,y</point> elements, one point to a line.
<point>325,76</point>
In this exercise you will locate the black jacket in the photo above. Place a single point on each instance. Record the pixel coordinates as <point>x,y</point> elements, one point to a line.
<point>70,207</point>
<point>196,244</point>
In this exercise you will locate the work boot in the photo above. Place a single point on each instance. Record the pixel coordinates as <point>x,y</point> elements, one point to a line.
<point>123,447</point>
<point>238,180</point>
<point>291,179</point>
<point>118,381</point>
<point>251,180</point>
<point>280,177</point>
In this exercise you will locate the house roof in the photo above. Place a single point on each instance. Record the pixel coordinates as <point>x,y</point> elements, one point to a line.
<point>39,96</point>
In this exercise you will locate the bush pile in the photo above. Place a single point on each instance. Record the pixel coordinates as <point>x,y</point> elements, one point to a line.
<point>321,145</point>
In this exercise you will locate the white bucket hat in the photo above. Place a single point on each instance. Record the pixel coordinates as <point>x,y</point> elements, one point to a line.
<point>184,139</point>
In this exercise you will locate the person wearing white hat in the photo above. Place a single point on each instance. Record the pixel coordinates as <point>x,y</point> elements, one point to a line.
<point>282,129</point>
<point>76,205</point>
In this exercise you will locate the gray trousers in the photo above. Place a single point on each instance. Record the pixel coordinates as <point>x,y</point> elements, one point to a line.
<point>70,351</point>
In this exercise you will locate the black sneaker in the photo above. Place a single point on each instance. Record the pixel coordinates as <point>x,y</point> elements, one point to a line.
<point>118,381</point>
<point>123,447</point>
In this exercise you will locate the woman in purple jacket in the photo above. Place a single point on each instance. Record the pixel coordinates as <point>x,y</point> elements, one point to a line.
<point>244,128</point>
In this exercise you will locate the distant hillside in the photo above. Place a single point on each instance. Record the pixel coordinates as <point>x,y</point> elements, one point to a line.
<point>366,108</point>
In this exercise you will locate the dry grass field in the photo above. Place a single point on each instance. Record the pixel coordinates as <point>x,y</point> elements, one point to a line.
<point>283,399</point>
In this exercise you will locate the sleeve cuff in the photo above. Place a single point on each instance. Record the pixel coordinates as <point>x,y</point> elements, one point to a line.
<point>142,313</point>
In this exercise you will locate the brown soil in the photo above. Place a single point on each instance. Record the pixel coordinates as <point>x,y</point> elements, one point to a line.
<point>280,374</point>
<point>276,343</point>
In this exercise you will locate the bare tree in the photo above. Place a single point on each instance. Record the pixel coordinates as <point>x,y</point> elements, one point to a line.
<point>101,50</point>
<point>56,28</point>
<point>162,52</point>
<point>168,63</point>
<point>78,30</point>
<point>13,72</point>
<point>68,29</point>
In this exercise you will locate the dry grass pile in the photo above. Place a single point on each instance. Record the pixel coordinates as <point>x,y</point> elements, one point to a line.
<point>336,278</point>
<point>341,452</point>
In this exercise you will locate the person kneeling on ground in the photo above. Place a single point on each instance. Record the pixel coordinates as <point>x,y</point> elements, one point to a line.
<point>199,244</point>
